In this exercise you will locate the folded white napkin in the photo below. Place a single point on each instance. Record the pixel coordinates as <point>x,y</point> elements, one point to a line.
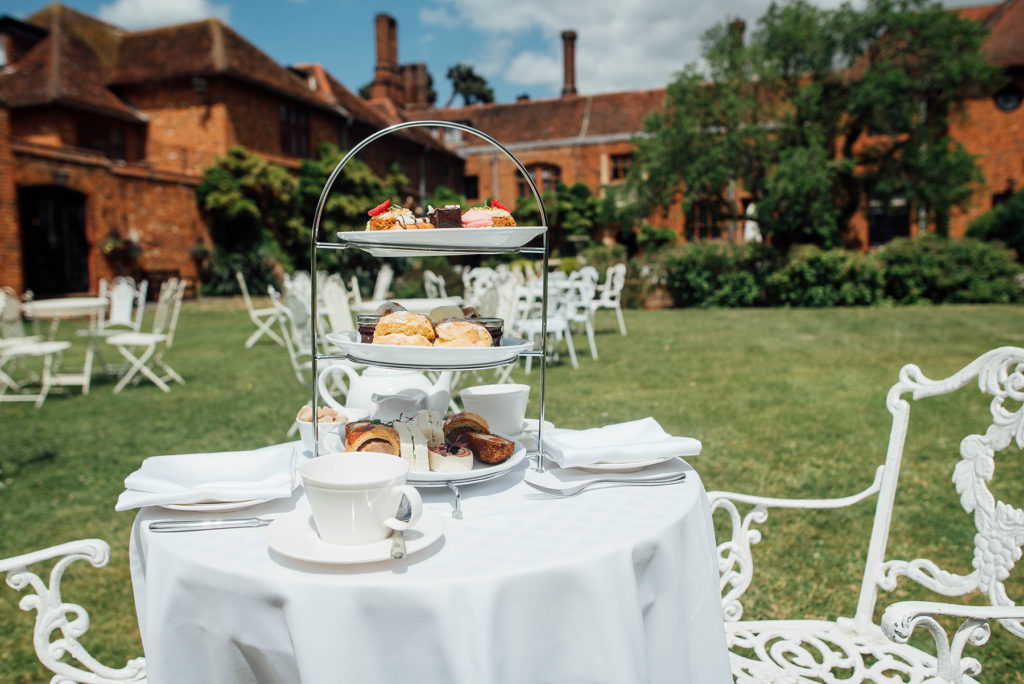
<point>266,473</point>
<point>636,440</point>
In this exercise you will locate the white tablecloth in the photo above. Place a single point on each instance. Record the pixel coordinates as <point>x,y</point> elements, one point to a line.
<point>618,585</point>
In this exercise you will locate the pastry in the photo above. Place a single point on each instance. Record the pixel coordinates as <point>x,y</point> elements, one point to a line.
<point>412,446</point>
<point>411,325</point>
<point>324,414</point>
<point>488,448</point>
<point>457,332</point>
<point>501,217</point>
<point>450,459</point>
<point>448,217</point>
<point>369,435</point>
<point>432,426</point>
<point>385,217</point>
<point>462,423</point>
<point>477,217</point>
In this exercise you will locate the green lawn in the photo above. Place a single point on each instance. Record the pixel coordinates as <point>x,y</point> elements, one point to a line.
<point>786,402</point>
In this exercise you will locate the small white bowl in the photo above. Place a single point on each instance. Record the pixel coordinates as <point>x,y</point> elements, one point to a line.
<point>332,435</point>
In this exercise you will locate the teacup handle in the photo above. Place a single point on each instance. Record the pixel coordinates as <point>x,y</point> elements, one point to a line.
<point>415,503</point>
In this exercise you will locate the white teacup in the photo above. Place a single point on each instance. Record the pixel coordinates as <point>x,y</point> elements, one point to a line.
<point>502,406</point>
<point>355,496</point>
<point>332,435</point>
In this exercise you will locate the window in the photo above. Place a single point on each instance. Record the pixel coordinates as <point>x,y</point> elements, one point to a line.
<point>1001,198</point>
<point>545,176</point>
<point>294,132</point>
<point>471,187</point>
<point>620,164</point>
<point>100,136</point>
<point>701,223</point>
<point>1008,99</point>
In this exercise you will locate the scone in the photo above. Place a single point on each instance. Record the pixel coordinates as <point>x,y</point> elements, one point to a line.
<point>455,332</point>
<point>462,423</point>
<point>488,448</point>
<point>404,323</point>
<point>402,339</point>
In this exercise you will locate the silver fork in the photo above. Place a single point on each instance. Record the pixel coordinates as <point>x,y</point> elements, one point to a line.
<point>573,491</point>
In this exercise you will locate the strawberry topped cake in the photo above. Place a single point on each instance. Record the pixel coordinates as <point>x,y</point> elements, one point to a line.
<point>500,215</point>
<point>386,217</point>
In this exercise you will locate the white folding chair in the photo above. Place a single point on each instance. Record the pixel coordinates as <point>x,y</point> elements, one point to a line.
<point>264,317</point>
<point>579,294</point>
<point>335,303</point>
<point>353,288</point>
<point>528,321</point>
<point>16,348</point>
<point>145,351</point>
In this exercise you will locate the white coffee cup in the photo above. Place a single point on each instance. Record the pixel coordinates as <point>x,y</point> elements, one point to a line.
<point>502,406</point>
<point>354,496</point>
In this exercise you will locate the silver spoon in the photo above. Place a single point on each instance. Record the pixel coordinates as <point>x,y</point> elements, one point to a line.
<point>398,536</point>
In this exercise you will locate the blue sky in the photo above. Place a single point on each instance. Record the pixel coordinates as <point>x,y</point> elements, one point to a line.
<point>515,45</point>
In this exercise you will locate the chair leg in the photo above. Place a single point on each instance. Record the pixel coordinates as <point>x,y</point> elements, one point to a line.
<point>590,339</point>
<point>263,327</point>
<point>138,365</point>
<point>572,350</point>
<point>622,321</point>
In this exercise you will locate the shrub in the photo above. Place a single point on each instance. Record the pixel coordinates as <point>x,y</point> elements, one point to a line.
<point>1004,223</point>
<point>937,269</point>
<point>707,274</point>
<point>835,277</point>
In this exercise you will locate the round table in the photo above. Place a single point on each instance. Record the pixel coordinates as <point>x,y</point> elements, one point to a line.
<point>617,585</point>
<point>64,308</point>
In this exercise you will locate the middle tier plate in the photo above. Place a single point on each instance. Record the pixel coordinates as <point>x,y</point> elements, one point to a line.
<point>434,358</point>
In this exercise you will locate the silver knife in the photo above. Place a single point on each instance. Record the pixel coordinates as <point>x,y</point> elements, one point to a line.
<point>194,525</point>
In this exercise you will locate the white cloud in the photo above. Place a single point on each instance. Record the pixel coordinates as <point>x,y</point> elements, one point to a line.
<point>142,14</point>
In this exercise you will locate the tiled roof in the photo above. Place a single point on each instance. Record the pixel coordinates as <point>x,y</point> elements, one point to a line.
<point>65,66</point>
<point>203,48</point>
<point>1005,42</point>
<point>580,117</point>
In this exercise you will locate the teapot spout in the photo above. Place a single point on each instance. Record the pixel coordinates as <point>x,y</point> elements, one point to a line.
<point>440,393</point>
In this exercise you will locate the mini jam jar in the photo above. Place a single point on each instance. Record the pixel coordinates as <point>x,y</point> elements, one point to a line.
<point>366,323</point>
<point>493,325</point>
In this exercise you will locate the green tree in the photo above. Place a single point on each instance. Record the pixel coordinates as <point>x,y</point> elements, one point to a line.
<point>572,212</point>
<point>1004,223</point>
<point>789,117</point>
<point>470,85</point>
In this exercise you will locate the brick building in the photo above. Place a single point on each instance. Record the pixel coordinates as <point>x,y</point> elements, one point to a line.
<point>587,138</point>
<point>106,131</point>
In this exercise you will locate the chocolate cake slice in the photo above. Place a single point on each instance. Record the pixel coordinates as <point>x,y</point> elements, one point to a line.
<point>448,217</point>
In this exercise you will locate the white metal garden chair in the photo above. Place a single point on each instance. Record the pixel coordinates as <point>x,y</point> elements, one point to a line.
<point>263,317</point>
<point>609,294</point>
<point>858,649</point>
<point>433,285</point>
<point>579,292</point>
<point>69,619</point>
<point>385,276</point>
<point>145,351</point>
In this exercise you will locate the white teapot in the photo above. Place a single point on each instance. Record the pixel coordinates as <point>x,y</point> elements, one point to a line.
<point>387,393</point>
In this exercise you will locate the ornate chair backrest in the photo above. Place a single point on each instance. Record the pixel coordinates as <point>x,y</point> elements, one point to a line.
<point>999,526</point>
<point>299,285</point>
<point>11,326</point>
<point>122,295</point>
<point>475,282</point>
<point>615,282</point>
<point>434,285</point>
<point>335,298</point>
<point>384,277</point>
<point>176,299</point>
<point>165,305</point>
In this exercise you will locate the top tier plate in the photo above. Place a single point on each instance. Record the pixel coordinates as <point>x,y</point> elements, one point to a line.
<point>428,241</point>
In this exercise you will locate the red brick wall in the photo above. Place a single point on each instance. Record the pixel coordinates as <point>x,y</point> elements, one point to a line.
<point>10,241</point>
<point>161,208</point>
<point>997,137</point>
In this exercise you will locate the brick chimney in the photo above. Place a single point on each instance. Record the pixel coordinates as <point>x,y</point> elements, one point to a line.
<point>569,55</point>
<point>737,27</point>
<point>386,81</point>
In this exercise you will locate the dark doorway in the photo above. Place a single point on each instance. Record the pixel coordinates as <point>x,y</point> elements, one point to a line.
<point>888,219</point>
<point>53,246</point>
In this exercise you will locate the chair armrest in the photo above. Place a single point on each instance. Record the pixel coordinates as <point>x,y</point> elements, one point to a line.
<point>69,619</point>
<point>735,559</point>
<point>900,619</point>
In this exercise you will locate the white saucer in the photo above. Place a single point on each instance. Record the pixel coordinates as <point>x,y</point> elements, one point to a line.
<point>629,467</point>
<point>294,535</point>
<point>212,506</point>
<point>530,425</point>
